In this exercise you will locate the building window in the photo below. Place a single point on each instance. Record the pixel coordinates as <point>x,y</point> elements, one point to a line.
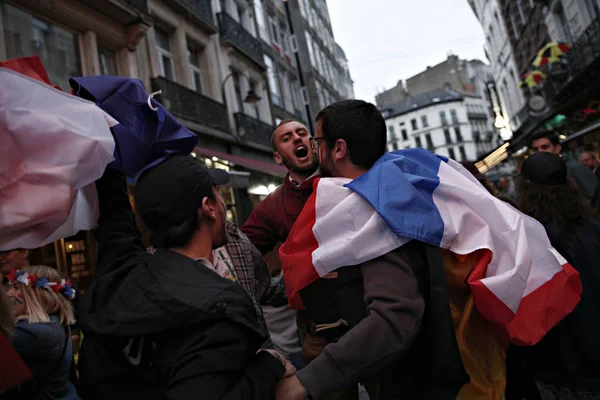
<point>451,153</point>
<point>263,31</point>
<point>521,13</point>
<point>273,30</point>
<point>395,146</point>
<point>447,136</point>
<point>107,61</point>
<point>514,27</point>
<point>165,57</point>
<point>254,86</point>
<point>404,133</point>
<point>458,134</point>
<point>424,121</point>
<point>273,82</point>
<point>238,92</point>
<point>392,132</point>
<point>27,36</point>
<point>443,118</point>
<point>463,155</point>
<point>413,123</point>
<point>194,61</point>
<point>418,142</point>
<point>453,116</point>
<point>429,141</point>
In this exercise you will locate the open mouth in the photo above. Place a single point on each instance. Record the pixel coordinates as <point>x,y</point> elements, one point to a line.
<point>301,152</point>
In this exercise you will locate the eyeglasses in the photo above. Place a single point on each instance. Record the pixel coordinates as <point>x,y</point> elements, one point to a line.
<point>314,142</point>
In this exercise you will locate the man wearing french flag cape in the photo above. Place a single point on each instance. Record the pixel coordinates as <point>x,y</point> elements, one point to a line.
<point>364,260</point>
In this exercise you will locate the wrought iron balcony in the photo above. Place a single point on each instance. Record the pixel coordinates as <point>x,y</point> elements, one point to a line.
<point>253,130</point>
<point>191,105</point>
<point>196,10</point>
<point>474,115</point>
<point>234,33</point>
<point>584,52</point>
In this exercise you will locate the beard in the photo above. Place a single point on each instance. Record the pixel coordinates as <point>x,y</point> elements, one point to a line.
<point>295,168</point>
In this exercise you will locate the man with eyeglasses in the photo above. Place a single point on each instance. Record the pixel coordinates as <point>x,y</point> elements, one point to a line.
<point>372,315</point>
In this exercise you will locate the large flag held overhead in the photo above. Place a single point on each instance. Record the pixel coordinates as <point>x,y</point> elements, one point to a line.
<point>519,280</point>
<point>53,147</point>
<point>146,133</point>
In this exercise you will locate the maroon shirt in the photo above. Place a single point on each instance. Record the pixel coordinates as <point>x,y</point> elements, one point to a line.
<point>272,220</point>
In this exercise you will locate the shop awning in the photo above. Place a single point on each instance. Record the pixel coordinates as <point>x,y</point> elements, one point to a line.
<point>255,165</point>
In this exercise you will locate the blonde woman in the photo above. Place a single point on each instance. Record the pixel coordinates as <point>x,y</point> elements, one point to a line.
<point>41,306</point>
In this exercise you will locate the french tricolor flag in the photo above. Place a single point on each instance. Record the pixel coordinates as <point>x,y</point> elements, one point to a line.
<point>519,282</point>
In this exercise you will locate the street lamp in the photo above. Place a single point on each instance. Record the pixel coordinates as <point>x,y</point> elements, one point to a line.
<point>251,96</point>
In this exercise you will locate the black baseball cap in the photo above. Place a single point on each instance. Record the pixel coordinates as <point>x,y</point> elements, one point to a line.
<point>167,194</point>
<point>545,169</point>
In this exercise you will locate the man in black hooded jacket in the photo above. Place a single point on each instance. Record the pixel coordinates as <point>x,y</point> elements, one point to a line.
<point>165,325</point>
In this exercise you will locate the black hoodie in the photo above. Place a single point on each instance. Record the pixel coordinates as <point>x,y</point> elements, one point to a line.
<point>164,326</point>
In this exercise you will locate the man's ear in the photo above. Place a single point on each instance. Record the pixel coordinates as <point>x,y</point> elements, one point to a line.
<point>208,209</point>
<point>340,149</point>
<point>277,157</point>
<point>559,148</point>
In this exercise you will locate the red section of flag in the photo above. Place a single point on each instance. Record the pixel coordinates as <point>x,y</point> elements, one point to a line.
<point>296,253</point>
<point>31,67</point>
<point>538,312</point>
<point>545,307</point>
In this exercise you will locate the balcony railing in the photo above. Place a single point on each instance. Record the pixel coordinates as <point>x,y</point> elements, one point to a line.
<point>584,52</point>
<point>254,131</point>
<point>234,33</point>
<point>477,115</point>
<point>197,10</point>
<point>188,104</point>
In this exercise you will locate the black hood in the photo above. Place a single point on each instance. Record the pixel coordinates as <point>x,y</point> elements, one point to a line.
<point>153,293</point>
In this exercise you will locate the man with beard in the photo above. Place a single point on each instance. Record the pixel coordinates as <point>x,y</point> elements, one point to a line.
<point>272,220</point>
<point>372,315</point>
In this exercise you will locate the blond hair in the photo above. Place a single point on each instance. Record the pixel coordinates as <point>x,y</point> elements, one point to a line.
<point>41,303</point>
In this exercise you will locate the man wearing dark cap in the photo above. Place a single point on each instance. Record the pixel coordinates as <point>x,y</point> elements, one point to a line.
<point>166,325</point>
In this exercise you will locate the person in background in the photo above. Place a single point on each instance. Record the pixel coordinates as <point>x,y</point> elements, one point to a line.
<point>273,218</point>
<point>566,363</point>
<point>165,325</point>
<point>547,141</point>
<point>588,160</point>
<point>40,298</point>
<point>507,189</point>
<point>12,259</point>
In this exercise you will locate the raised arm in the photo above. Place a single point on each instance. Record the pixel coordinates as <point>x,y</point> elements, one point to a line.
<point>117,234</point>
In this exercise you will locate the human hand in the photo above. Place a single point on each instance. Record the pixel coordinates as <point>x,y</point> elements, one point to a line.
<point>289,368</point>
<point>290,389</point>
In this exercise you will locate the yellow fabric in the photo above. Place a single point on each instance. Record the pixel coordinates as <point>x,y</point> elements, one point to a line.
<point>482,353</point>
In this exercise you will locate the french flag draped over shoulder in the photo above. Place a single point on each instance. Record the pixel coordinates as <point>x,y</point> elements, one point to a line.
<point>520,281</point>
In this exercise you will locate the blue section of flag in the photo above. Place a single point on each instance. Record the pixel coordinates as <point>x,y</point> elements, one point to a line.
<point>400,187</point>
<point>143,137</point>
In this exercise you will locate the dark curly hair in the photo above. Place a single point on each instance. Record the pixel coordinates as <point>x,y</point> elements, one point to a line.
<point>545,203</point>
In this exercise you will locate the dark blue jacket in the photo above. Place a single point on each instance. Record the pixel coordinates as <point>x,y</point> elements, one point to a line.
<point>42,347</point>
